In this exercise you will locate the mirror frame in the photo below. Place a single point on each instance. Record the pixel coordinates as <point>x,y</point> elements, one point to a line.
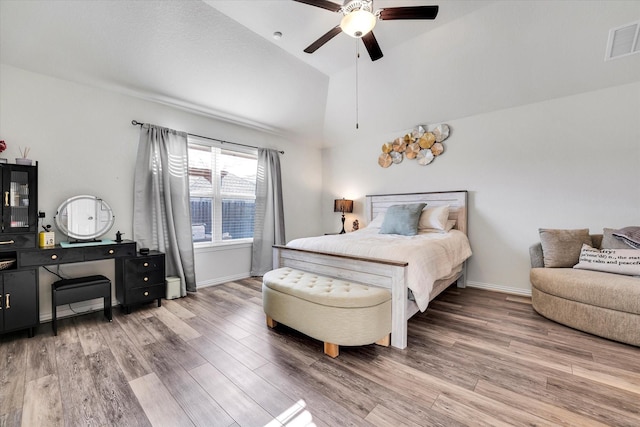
<point>102,221</point>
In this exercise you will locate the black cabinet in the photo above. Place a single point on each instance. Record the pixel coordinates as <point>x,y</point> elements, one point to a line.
<point>19,308</point>
<point>19,198</point>
<point>140,279</point>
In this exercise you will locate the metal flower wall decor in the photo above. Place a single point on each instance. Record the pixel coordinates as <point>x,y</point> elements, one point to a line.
<point>421,145</point>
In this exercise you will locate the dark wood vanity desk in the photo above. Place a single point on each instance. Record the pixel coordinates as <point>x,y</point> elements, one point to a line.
<point>138,278</point>
<point>38,257</point>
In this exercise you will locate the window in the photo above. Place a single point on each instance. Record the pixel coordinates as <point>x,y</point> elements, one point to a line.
<point>222,191</point>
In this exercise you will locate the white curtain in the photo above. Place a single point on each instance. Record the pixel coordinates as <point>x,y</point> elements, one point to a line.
<point>161,208</point>
<point>269,217</point>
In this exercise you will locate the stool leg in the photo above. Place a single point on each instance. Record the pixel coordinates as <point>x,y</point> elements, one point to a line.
<point>53,312</point>
<point>384,341</point>
<point>331,350</point>
<point>107,308</point>
<point>271,323</point>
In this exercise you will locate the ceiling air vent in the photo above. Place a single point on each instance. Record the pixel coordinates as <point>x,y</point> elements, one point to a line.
<point>623,41</point>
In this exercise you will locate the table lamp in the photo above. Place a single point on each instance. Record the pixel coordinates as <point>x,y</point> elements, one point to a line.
<point>343,205</point>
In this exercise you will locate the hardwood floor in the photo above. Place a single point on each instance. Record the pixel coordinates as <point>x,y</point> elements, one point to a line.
<point>474,358</point>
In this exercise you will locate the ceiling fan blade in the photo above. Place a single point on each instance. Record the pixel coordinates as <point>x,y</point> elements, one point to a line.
<point>323,4</point>
<point>372,46</point>
<point>410,12</point>
<point>322,40</point>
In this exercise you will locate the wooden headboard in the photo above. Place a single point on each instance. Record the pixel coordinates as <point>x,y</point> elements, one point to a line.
<point>457,201</point>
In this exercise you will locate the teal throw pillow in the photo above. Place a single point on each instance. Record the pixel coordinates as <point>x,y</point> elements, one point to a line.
<point>402,219</point>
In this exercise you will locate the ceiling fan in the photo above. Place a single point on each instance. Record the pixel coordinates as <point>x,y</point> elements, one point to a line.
<point>359,19</point>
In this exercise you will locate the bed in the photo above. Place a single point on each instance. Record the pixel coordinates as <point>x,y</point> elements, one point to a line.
<point>403,275</point>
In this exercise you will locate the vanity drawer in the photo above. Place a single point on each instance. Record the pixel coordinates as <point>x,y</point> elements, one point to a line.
<point>145,293</point>
<point>145,265</point>
<point>145,279</point>
<point>110,251</point>
<point>49,257</point>
<point>17,241</point>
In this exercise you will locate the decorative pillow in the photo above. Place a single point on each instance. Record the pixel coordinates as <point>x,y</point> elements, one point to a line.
<point>619,261</point>
<point>377,221</point>
<point>434,218</point>
<point>402,219</point>
<point>609,241</point>
<point>450,224</point>
<point>629,235</point>
<point>561,248</point>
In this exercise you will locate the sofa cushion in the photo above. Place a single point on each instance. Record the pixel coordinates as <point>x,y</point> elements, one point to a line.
<point>561,248</point>
<point>612,291</point>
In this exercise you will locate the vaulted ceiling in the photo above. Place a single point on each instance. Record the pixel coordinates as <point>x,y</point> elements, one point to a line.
<point>220,58</point>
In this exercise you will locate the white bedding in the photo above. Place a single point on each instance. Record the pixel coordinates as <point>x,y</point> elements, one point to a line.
<point>431,256</point>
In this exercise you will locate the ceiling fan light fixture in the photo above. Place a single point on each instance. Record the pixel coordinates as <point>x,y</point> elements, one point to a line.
<point>358,23</point>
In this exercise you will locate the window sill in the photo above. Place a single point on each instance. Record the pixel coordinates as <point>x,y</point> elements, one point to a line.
<point>223,246</point>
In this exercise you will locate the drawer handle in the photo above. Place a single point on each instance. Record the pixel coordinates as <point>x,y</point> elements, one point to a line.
<point>111,252</point>
<point>54,256</point>
<point>7,305</point>
<point>6,198</point>
<point>146,264</point>
<point>146,279</point>
<point>146,293</point>
<point>7,242</point>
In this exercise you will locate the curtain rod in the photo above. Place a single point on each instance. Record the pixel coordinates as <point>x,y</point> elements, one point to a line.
<point>137,123</point>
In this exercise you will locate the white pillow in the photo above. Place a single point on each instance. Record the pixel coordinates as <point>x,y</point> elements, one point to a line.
<point>434,218</point>
<point>450,224</point>
<point>377,221</point>
<point>620,261</point>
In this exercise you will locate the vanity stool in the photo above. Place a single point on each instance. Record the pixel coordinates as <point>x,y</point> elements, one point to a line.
<point>67,291</point>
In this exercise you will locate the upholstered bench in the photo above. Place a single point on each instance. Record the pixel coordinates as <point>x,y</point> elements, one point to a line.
<point>337,312</point>
<point>67,291</point>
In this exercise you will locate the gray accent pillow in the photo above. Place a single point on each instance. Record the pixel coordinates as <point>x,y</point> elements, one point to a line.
<point>561,248</point>
<point>609,241</point>
<point>402,219</point>
<point>629,235</point>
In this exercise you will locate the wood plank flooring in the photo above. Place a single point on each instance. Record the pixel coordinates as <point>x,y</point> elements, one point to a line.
<point>475,358</point>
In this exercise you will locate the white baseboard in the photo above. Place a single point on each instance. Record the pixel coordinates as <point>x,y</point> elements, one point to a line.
<point>499,288</point>
<point>221,280</point>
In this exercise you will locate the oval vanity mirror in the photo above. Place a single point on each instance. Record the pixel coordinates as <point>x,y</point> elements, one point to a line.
<point>84,217</point>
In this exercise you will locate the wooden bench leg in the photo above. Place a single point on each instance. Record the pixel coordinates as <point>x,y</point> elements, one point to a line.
<point>271,323</point>
<point>331,349</point>
<point>384,341</point>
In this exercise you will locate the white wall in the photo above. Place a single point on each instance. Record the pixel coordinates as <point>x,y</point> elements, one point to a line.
<point>570,162</point>
<point>84,143</point>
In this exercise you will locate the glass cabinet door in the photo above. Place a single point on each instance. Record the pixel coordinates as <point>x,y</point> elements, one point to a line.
<point>18,199</point>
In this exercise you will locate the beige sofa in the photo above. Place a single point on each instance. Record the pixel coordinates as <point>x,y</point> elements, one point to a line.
<point>603,304</point>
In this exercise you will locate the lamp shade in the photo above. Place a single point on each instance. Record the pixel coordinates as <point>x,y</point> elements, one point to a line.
<point>358,23</point>
<point>343,205</point>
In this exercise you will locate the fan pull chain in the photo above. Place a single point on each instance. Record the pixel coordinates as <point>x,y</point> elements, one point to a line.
<point>357,97</point>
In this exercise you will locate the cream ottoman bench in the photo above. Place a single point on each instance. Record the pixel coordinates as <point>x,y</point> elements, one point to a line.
<point>334,311</point>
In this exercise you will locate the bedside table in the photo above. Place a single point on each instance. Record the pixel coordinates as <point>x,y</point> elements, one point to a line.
<point>140,279</point>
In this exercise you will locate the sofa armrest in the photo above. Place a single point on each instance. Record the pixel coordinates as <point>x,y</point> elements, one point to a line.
<point>537,258</point>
